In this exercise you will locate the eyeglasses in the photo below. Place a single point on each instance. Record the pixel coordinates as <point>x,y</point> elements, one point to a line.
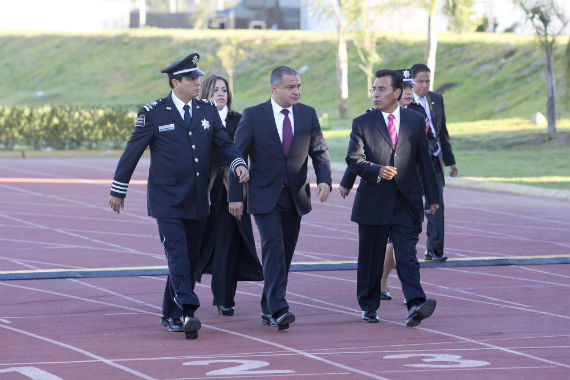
<point>374,90</point>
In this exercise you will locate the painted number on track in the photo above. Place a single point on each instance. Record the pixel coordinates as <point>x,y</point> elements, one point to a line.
<point>243,367</point>
<point>451,361</point>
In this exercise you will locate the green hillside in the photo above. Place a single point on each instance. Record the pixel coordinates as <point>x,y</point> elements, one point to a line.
<point>486,76</point>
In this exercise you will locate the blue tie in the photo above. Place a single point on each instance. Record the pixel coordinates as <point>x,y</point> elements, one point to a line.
<point>187,117</point>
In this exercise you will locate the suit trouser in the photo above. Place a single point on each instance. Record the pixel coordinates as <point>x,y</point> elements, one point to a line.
<point>279,231</point>
<point>181,239</point>
<point>404,231</point>
<point>435,223</point>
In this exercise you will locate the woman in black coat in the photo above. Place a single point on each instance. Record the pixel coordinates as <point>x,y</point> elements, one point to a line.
<point>228,249</point>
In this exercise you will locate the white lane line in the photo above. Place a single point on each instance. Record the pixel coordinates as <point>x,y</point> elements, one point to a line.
<point>79,350</point>
<point>544,272</point>
<point>264,341</point>
<point>121,248</point>
<point>499,302</point>
<point>518,216</point>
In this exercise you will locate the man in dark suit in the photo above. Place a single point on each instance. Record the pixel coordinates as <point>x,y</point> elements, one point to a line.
<point>278,136</point>
<point>387,148</point>
<point>182,133</point>
<point>432,102</point>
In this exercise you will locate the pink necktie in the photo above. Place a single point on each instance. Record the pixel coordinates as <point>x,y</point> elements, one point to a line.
<point>392,130</point>
<point>287,132</point>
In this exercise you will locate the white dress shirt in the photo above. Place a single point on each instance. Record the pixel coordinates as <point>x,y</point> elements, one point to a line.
<point>424,103</point>
<point>396,114</point>
<point>179,104</point>
<point>279,117</point>
<point>223,115</point>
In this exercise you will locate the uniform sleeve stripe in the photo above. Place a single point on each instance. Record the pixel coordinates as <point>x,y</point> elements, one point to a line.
<point>113,186</point>
<point>113,190</point>
<point>235,163</point>
<point>120,183</point>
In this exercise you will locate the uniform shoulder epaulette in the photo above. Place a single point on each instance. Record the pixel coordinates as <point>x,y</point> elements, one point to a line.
<point>370,109</point>
<point>152,105</point>
<point>206,101</point>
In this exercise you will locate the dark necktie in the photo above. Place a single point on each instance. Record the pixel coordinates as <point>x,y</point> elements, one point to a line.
<point>287,132</point>
<point>187,117</point>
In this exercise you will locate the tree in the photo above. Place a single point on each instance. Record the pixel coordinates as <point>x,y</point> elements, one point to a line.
<point>230,54</point>
<point>548,21</point>
<point>338,10</point>
<point>461,15</point>
<point>431,43</point>
<point>365,40</point>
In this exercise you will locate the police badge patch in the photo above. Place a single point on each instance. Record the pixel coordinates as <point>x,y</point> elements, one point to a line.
<point>205,124</point>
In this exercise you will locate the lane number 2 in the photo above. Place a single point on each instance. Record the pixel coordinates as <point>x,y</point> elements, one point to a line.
<point>243,367</point>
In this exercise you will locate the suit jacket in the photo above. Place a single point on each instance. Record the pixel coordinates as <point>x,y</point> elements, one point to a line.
<point>349,176</point>
<point>437,110</point>
<point>370,148</point>
<point>179,171</point>
<point>257,138</point>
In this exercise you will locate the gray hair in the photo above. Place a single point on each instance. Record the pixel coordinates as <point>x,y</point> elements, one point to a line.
<point>277,74</point>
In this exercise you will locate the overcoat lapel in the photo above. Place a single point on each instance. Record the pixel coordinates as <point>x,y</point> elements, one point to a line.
<point>382,128</point>
<point>174,114</point>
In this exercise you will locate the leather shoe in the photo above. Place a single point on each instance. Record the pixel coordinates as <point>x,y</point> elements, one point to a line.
<point>175,325</point>
<point>164,321</point>
<point>191,327</point>
<point>226,310</point>
<point>419,312</point>
<point>284,320</point>
<point>268,320</point>
<point>385,295</point>
<point>431,256</point>
<point>369,316</point>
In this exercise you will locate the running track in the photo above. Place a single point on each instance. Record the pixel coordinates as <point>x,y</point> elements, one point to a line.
<point>492,322</point>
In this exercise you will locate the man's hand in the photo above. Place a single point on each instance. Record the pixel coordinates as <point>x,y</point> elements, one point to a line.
<point>432,209</point>
<point>117,204</point>
<point>324,191</point>
<point>387,172</point>
<point>453,171</point>
<point>242,173</point>
<point>236,209</point>
<point>343,191</point>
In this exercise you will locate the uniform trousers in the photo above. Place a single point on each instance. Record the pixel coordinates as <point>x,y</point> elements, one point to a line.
<point>404,231</point>
<point>182,240</point>
<point>435,222</point>
<point>279,230</point>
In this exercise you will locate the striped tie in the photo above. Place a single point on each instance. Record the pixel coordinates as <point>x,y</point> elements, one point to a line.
<point>392,130</point>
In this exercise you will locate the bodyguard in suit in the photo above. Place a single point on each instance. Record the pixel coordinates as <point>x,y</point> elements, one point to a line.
<point>278,136</point>
<point>182,133</point>
<point>387,148</point>
<point>432,102</point>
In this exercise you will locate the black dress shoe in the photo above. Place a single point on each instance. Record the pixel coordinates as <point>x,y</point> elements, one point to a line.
<point>385,295</point>
<point>419,312</point>
<point>369,316</point>
<point>268,320</point>
<point>191,327</point>
<point>284,320</point>
<point>431,256</point>
<point>175,325</point>
<point>226,310</point>
<point>164,321</point>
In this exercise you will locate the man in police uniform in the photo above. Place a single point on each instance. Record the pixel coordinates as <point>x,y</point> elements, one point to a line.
<point>182,133</point>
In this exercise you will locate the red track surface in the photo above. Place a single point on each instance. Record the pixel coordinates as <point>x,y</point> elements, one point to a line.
<point>508,322</point>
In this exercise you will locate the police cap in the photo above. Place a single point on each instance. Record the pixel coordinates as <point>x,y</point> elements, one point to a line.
<point>407,75</point>
<point>187,67</point>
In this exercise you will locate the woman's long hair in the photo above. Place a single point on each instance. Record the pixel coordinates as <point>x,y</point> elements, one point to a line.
<point>207,88</point>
